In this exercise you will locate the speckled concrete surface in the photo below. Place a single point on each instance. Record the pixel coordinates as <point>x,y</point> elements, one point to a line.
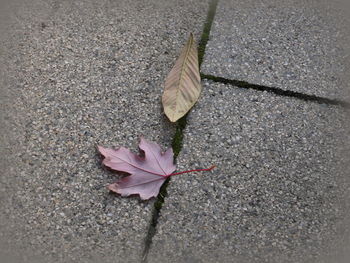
<point>82,73</point>
<point>277,194</point>
<point>292,45</point>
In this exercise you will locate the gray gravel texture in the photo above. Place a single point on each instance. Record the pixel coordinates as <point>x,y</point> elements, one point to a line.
<point>278,193</point>
<point>81,74</point>
<point>300,46</point>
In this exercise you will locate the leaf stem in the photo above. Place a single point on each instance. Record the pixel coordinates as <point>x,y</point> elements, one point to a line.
<point>195,170</point>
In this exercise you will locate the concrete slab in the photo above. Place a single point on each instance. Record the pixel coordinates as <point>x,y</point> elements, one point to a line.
<point>81,74</point>
<point>277,194</point>
<point>293,45</point>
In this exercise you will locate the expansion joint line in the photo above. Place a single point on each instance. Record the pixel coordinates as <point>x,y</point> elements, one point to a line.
<point>277,91</point>
<point>178,137</point>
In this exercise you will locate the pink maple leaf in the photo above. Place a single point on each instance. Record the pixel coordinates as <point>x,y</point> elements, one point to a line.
<point>147,174</point>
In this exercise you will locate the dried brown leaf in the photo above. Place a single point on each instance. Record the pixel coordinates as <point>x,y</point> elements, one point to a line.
<point>183,84</point>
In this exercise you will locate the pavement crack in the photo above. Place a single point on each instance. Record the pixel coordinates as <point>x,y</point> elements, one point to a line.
<point>158,204</point>
<point>277,91</point>
<point>206,31</point>
<point>177,141</point>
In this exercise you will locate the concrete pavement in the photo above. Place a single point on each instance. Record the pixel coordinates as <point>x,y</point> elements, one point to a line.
<point>293,45</point>
<point>275,194</point>
<point>280,189</point>
<point>82,73</point>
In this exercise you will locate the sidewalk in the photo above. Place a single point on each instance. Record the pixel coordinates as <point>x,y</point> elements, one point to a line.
<point>83,74</point>
<point>279,191</point>
<point>86,73</point>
